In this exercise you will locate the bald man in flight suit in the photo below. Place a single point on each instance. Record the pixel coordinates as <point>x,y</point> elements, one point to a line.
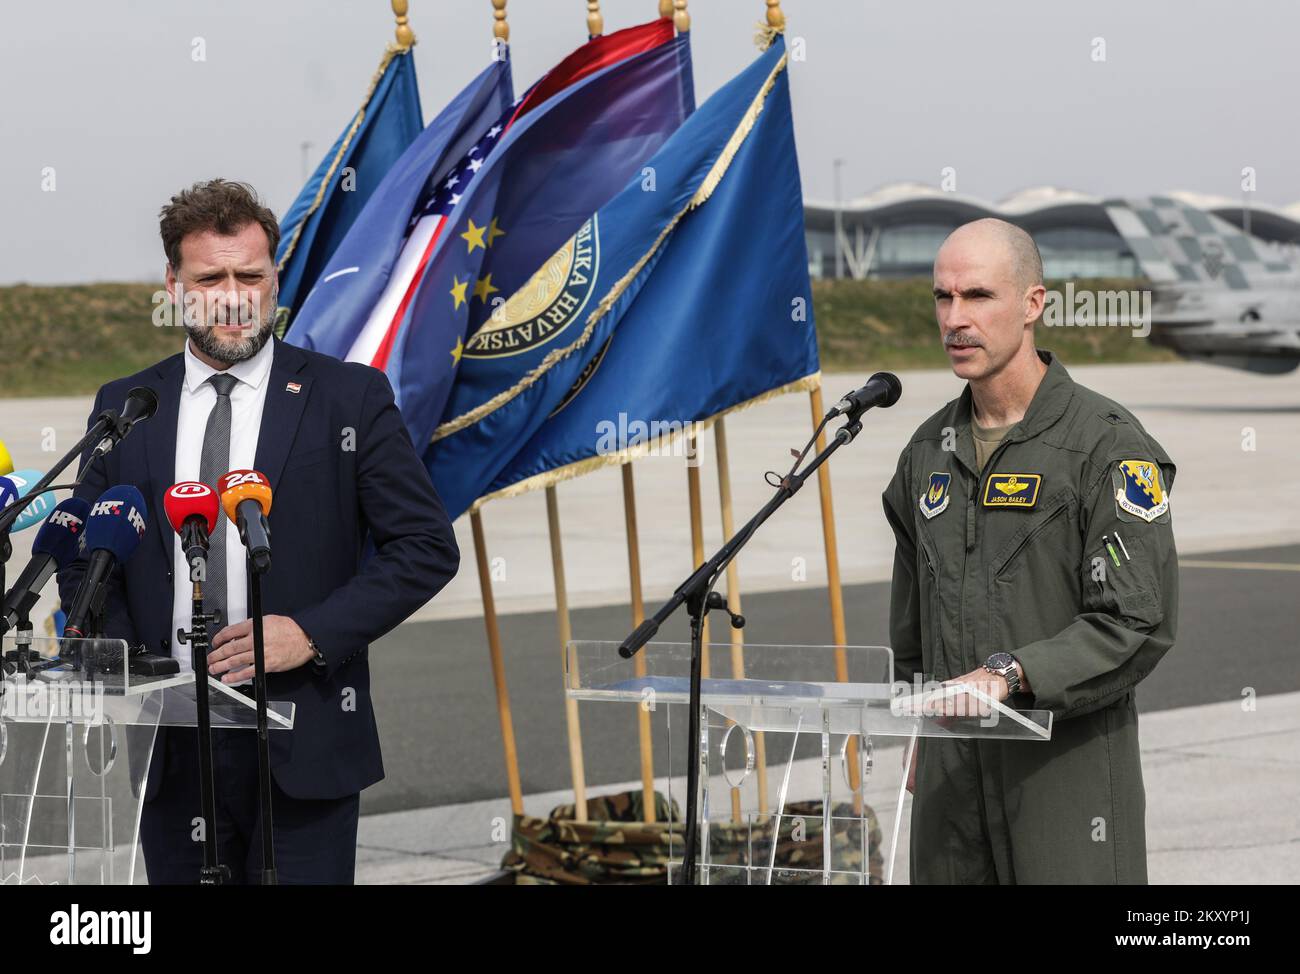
<point>1035,559</point>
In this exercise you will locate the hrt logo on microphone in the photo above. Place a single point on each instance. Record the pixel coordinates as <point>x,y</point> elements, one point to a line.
<point>66,519</point>
<point>114,508</point>
<point>237,477</point>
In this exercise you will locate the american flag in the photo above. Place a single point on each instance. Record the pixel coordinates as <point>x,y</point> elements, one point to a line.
<point>424,231</point>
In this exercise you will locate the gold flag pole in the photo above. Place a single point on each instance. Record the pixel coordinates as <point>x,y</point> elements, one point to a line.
<point>733,603</point>
<point>681,19</point>
<point>697,535</point>
<point>595,22</point>
<point>836,593</point>
<point>405,37</point>
<point>776,21</point>
<point>500,29</point>
<point>498,664</point>
<point>638,661</point>
<point>566,633</point>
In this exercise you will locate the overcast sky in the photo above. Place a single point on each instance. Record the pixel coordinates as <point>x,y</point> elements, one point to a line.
<point>1009,93</point>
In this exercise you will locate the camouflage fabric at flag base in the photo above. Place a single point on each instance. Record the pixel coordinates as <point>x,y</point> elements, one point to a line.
<point>615,845</point>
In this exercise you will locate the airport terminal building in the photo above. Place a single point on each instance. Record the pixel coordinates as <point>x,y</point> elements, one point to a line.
<point>896,230</point>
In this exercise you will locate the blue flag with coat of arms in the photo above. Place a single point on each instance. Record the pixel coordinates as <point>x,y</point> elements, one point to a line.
<point>684,296</point>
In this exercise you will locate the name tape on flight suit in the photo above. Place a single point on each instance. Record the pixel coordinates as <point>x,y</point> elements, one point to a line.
<point>1012,490</point>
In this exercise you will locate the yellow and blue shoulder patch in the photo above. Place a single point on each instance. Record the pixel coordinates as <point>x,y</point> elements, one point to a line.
<point>1012,490</point>
<point>935,499</point>
<point>1141,493</point>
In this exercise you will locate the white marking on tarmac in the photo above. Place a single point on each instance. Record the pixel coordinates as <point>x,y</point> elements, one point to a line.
<point>1262,566</point>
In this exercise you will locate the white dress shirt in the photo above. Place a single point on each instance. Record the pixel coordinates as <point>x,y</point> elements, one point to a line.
<point>198,396</point>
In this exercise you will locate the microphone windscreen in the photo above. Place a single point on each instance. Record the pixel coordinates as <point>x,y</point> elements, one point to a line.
<point>141,403</point>
<point>6,461</point>
<point>895,387</point>
<point>60,535</point>
<point>36,507</point>
<point>8,492</point>
<point>189,498</point>
<point>242,485</point>
<point>117,522</point>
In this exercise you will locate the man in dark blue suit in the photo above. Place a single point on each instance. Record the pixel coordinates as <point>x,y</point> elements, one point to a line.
<point>345,477</point>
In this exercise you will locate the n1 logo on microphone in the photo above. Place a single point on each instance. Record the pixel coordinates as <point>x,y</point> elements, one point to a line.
<point>114,508</point>
<point>238,477</point>
<point>189,488</point>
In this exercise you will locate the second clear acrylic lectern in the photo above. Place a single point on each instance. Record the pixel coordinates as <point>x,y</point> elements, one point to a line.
<point>791,787</point>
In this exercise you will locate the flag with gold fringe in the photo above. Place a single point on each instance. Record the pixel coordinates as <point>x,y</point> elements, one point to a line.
<point>316,222</point>
<point>684,297</point>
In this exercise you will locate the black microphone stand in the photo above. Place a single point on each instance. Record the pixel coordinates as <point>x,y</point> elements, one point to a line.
<point>698,595</point>
<point>212,872</point>
<point>255,569</point>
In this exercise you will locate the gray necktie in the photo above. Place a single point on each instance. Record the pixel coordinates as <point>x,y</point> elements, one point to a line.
<point>213,462</point>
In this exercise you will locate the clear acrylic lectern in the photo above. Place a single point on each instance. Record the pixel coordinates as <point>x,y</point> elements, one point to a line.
<point>790,788</point>
<point>75,747</point>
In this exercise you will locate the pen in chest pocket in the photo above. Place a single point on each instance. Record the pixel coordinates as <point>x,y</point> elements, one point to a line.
<point>1105,539</point>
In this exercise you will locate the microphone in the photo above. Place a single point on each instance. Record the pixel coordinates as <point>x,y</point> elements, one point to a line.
<point>141,403</point>
<point>882,389</point>
<point>8,492</point>
<point>192,510</point>
<point>6,461</point>
<point>57,544</point>
<point>246,499</point>
<point>36,508</point>
<point>113,531</point>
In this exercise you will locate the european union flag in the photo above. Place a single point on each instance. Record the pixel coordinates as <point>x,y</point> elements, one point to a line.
<point>380,258</point>
<point>387,122</point>
<point>685,296</point>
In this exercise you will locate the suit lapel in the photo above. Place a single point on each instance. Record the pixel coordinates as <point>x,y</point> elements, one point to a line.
<point>160,441</point>
<point>283,409</point>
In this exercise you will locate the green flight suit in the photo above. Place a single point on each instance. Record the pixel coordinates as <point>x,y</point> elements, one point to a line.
<point>1013,558</point>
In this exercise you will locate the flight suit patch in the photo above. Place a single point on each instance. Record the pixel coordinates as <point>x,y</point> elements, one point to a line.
<point>935,499</point>
<point>1141,493</point>
<point>1012,490</point>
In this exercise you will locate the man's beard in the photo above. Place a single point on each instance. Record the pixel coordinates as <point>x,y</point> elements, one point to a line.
<point>206,341</point>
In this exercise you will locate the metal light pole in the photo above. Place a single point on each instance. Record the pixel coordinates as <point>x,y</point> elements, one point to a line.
<point>839,221</point>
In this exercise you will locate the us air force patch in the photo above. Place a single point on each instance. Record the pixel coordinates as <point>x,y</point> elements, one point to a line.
<point>935,499</point>
<point>1141,494</point>
<point>1012,489</point>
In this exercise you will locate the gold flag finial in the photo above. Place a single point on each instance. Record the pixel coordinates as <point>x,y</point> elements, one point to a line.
<point>595,22</point>
<point>500,29</point>
<point>665,8</point>
<point>405,37</point>
<point>775,18</point>
<point>681,19</point>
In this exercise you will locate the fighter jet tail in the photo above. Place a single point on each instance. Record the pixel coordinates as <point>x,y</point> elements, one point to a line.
<point>1178,244</point>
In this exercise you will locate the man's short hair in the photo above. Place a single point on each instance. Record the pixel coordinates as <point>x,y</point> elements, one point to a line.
<point>1026,261</point>
<point>220,205</point>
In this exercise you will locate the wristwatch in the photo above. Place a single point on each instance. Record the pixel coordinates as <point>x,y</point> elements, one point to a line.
<point>1004,664</point>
